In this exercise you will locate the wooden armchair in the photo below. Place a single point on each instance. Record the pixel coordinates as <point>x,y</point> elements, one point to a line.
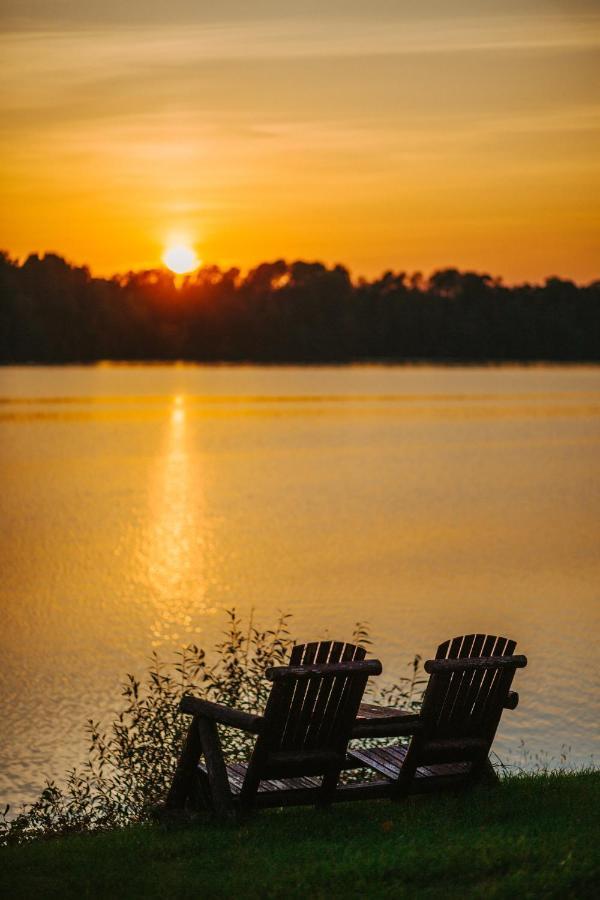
<point>302,736</point>
<point>469,687</point>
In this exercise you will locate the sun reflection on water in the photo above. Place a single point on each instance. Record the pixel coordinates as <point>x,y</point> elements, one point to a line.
<point>176,538</point>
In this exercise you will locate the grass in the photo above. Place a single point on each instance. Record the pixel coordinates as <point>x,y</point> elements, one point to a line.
<point>529,836</point>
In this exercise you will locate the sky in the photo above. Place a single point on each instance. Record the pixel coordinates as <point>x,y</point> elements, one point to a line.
<point>391,134</point>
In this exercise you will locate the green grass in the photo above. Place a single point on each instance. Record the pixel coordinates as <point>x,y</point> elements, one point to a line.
<point>526,837</point>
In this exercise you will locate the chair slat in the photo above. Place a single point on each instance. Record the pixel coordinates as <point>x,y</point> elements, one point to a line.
<point>487,681</point>
<point>299,737</point>
<point>486,649</point>
<point>322,699</point>
<point>469,686</point>
<point>295,709</point>
<point>446,718</point>
<point>442,650</point>
<point>297,654</point>
<point>453,651</point>
<point>338,696</point>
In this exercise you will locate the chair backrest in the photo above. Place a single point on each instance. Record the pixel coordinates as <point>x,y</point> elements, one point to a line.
<point>310,712</point>
<point>326,652</point>
<point>470,680</point>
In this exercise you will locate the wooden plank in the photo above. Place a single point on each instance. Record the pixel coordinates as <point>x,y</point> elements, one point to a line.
<point>485,650</point>
<point>445,719</point>
<point>297,654</point>
<point>236,782</point>
<point>369,711</point>
<point>388,761</point>
<point>382,728</point>
<point>344,717</point>
<point>487,679</point>
<point>368,666</point>
<point>300,689</point>
<point>274,720</point>
<point>448,666</point>
<point>352,662</point>
<point>442,650</point>
<point>433,699</point>
<point>235,775</point>
<point>181,785</point>
<point>472,679</point>
<point>369,790</point>
<point>339,720</point>
<point>497,699</point>
<point>453,651</point>
<point>352,693</point>
<point>379,762</point>
<point>224,715</point>
<point>319,709</point>
<point>279,785</point>
<point>298,651</point>
<point>460,768</point>
<point>300,733</point>
<point>215,766</point>
<point>309,781</point>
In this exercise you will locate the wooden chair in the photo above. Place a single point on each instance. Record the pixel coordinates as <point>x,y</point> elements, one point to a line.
<point>302,737</point>
<point>470,685</point>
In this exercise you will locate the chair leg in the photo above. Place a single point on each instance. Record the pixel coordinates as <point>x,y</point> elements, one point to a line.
<point>482,772</point>
<point>327,790</point>
<point>187,766</point>
<point>220,792</point>
<point>401,787</point>
<point>249,789</point>
<point>200,797</point>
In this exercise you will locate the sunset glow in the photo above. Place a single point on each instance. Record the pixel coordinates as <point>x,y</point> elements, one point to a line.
<point>181,259</point>
<point>472,142</point>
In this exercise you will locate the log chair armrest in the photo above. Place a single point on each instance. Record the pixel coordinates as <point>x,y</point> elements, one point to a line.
<point>397,726</point>
<point>222,715</point>
<point>474,663</point>
<point>318,670</point>
<point>512,701</point>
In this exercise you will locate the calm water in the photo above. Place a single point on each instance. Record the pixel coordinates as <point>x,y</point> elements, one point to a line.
<point>138,503</point>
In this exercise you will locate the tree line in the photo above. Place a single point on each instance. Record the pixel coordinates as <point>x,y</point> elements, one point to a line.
<point>305,312</point>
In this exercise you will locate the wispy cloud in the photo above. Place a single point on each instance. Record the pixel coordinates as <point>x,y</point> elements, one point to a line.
<point>111,52</point>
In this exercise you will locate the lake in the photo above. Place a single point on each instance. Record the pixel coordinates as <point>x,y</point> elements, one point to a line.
<point>140,502</point>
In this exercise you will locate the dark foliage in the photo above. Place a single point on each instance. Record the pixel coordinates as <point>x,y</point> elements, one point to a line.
<point>53,312</point>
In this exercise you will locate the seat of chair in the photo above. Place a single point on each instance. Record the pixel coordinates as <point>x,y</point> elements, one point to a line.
<point>384,721</point>
<point>236,772</point>
<point>387,761</point>
<point>370,711</point>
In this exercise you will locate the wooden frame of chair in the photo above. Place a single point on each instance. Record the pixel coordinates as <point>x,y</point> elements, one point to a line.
<point>469,686</point>
<point>302,736</point>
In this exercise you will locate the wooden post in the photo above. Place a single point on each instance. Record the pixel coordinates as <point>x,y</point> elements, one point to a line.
<point>187,764</point>
<point>222,800</point>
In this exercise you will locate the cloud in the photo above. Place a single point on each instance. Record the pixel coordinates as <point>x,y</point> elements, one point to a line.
<point>113,51</point>
<point>75,14</point>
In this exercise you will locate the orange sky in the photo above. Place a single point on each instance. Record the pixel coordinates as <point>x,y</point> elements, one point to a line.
<point>381,138</point>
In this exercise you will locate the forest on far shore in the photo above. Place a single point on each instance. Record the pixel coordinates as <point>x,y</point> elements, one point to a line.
<point>280,312</point>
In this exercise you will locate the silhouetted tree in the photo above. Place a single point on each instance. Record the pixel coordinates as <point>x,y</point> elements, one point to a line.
<point>52,311</point>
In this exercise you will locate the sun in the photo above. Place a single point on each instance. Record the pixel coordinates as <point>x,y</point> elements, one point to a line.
<point>180,258</point>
